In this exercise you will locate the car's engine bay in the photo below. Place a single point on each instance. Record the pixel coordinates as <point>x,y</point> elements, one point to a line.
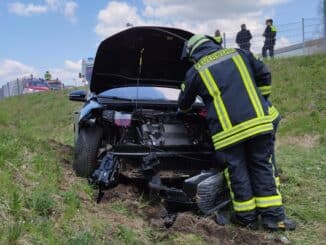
<point>155,128</point>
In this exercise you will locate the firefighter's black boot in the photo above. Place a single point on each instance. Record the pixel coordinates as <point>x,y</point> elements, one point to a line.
<point>251,224</point>
<point>284,225</point>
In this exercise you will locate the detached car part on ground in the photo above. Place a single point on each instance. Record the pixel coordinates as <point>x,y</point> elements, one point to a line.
<point>129,128</point>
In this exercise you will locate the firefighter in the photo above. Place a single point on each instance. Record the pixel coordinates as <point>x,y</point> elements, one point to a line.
<point>240,123</point>
<point>243,38</point>
<point>218,37</point>
<point>270,39</point>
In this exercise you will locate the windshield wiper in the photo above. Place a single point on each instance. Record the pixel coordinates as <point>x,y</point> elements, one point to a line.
<point>115,98</point>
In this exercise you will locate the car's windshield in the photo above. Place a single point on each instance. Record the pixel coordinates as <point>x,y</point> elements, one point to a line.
<point>144,93</point>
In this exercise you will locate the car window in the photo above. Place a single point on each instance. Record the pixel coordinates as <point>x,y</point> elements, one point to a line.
<point>144,93</point>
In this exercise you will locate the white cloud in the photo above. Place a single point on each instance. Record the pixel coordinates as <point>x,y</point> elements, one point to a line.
<point>114,18</point>
<point>197,16</point>
<point>66,76</point>
<point>26,9</point>
<point>283,42</point>
<point>12,69</point>
<point>271,2</point>
<point>204,10</point>
<point>73,65</point>
<point>53,4</point>
<point>65,7</point>
<point>69,10</point>
<point>69,73</point>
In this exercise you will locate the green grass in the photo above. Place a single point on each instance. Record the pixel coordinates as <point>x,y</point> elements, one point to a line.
<point>42,202</point>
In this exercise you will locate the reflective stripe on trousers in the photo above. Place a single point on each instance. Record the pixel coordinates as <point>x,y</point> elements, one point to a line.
<point>239,206</point>
<point>252,203</point>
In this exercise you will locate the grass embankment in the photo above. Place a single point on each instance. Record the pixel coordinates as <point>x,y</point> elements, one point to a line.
<point>41,201</point>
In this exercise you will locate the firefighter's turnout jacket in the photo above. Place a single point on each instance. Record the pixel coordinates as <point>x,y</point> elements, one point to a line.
<point>232,83</point>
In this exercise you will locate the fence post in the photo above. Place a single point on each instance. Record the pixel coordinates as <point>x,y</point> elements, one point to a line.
<point>18,87</point>
<point>224,39</point>
<point>303,37</point>
<point>9,94</point>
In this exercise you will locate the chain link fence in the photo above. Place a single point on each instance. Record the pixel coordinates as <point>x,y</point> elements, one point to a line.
<point>12,88</point>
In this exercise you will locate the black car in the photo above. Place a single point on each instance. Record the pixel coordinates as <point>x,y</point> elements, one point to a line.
<point>130,129</point>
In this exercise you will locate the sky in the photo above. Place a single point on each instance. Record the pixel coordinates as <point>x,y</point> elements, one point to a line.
<point>54,35</point>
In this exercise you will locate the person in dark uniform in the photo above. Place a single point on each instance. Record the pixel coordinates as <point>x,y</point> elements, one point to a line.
<point>243,38</point>
<point>218,37</point>
<point>270,39</point>
<point>240,123</point>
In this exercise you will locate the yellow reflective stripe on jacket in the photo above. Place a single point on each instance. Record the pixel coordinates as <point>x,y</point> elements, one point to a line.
<point>239,206</point>
<point>273,112</point>
<point>243,135</point>
<point>269,201</point>
<point>214,56</point>
<point>241,127</point>
<point>273,28</point>
<point>265,90</point>
<point>217,99</point>
<point>251,90</point>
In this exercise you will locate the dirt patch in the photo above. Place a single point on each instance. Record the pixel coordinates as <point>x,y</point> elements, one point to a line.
<point>306,141</point>
<point>216,234</point>
<point>64,152</point>
<point>121,193</point>
<point>60,148</point>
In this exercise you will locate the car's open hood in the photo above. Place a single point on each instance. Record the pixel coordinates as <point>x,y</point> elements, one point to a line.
<point>118,59</point>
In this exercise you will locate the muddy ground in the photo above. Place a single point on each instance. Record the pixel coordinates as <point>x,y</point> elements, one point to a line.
<point>156,215</point>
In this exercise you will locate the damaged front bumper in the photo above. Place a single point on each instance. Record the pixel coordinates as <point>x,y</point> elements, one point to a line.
<point>206,191</point>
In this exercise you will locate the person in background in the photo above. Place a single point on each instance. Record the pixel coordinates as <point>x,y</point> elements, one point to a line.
<point>270,39</point>
<point>218,37</point>
<point>243,38</point>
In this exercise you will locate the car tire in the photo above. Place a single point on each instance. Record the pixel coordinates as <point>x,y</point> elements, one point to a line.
<point>86,148</point>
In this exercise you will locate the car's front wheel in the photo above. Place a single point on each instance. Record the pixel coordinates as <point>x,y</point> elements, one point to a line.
<point>86,148</point>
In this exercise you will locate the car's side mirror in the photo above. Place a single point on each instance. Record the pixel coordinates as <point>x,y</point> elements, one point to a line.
<point>78,95</point>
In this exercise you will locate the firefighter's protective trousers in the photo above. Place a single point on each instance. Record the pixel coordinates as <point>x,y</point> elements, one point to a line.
<point>251,182</point>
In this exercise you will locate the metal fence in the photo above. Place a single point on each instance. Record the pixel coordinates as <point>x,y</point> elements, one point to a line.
<point>296,33</point>
<point>12,88</point>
